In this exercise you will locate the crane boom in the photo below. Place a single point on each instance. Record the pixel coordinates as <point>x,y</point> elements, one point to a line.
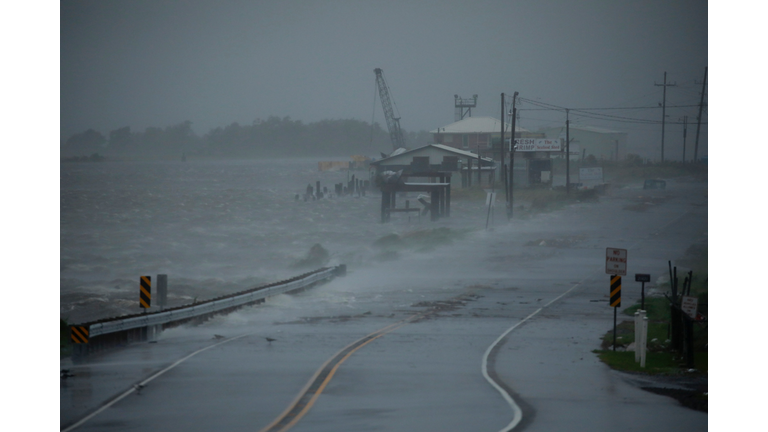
<point>393,123</point>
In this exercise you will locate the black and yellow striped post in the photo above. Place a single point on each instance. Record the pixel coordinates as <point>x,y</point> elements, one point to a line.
<point>615,291</point>
<point>79,334</point>
<point>615,302</point>
<point>145,291</point>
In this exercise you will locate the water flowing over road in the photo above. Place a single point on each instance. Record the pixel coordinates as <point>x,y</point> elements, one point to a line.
<point>412,338</point>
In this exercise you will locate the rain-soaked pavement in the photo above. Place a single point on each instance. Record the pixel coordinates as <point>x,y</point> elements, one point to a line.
<point>425,374</point>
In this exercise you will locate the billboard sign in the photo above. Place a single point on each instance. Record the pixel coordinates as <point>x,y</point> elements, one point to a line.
<point>537,144</point>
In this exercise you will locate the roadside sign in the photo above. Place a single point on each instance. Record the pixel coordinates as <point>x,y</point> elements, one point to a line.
<point>490,199</point>
<point>639,277</point>
<point>145,291</point>
<point>615,291</point>
<point>162,290</point>
<point>79,334</point>
<point>615,302</point>
<point>689,305</point>
<point>616,261</point>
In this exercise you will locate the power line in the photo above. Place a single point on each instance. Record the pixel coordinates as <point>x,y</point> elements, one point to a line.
<point>614,108</point>
<point>584,112</point>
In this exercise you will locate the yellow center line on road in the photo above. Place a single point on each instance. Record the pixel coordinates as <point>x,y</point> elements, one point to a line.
<point>312,390</point>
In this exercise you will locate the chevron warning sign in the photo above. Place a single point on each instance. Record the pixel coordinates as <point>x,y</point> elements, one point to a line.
<point>145,291</point>
<point>79,334</point>
<point>615,291</point>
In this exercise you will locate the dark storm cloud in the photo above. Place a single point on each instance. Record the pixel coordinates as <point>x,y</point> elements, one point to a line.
<point>146,63</point>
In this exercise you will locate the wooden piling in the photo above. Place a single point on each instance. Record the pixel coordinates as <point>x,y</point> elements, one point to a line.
<point>385,201</point>
<point>435,206</point>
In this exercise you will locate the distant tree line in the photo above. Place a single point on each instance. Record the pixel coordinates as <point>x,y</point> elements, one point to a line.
<point>273,137</point>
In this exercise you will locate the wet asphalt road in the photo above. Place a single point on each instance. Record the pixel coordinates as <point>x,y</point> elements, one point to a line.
<point>425,375</point>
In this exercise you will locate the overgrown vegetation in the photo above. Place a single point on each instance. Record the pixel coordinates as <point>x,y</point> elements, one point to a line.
<point>661,357</point>
<point>659,363</point>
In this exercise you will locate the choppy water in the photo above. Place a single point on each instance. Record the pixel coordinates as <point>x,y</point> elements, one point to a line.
<point>212,226</point>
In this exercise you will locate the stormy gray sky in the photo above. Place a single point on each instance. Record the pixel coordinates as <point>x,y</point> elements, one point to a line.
<point>155,63</point>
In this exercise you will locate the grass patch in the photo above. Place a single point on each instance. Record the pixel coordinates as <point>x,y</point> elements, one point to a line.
<point>656,363</point>
<point>659,317</point>
<point>658,334</point>
<point>656,308</point>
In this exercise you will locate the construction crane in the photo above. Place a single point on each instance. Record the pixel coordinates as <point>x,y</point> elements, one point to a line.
<point>393,123</point>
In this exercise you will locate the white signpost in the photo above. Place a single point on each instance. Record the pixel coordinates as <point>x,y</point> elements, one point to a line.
<point>490,199</point>
<point>616,261</point>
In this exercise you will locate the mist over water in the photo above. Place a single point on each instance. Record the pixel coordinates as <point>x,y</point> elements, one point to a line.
<point>214,227</point>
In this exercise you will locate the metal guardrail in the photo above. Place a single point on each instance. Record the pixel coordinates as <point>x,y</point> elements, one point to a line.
<point>213,306</point>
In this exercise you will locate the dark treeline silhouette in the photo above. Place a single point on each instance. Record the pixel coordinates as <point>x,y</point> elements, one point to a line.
<point>273,137</point>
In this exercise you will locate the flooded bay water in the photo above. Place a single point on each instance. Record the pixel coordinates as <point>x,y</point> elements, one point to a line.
<point>214,227</point>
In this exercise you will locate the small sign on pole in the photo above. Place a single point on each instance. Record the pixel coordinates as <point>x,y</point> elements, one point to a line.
<point>640,277</point>
<point>162,290</point>
<point>615,302</point>
<point>145,291</point>
<point>615,291</point>
<point>689,306</point>
<point>79,334</point>
<point>490,199</point>
<point>616,266</point>
<point>616,261</point>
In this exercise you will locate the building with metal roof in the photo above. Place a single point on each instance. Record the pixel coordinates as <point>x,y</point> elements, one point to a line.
<point>479,134</point>
<point>603,144</point>
<point>462,164</point>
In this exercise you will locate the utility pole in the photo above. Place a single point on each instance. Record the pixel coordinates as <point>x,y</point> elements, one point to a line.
<point>698,127</point>
<point>664,111</point>
<point>502,172</point>
<point>512,156</point>
<point>685,132</point>
<point>567,153</point>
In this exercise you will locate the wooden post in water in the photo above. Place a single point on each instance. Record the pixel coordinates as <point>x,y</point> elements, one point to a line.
<point>407,205</point>
<point>385,199</point>
<point>479,166</point>
<point>448,199</point>
<point>469,172</point>
<point>435,205</point>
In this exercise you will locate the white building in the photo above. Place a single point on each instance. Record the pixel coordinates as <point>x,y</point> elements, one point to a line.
<point>603,144</point>
<point>478,134</point>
